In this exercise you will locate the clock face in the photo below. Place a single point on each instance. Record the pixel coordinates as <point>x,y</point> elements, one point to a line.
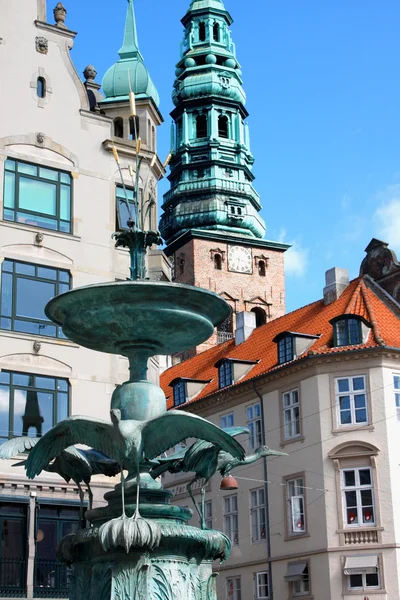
<point>240,259</point>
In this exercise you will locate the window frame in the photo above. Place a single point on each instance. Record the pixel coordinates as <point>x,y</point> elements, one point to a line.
<point>12,293</point>
<point>229,517</point>
<point>344,337</point>
<point>285,353</point>
<point>228,417</point>
<point>290,408</point>
<point>364,587</point>
<point>258,585</point>
<point>179,392</point>
<point>352,393</point>
<point>236,589</point>
<point>225,374</point>
<point>302,592</point>
<point>290,516</point>
<point>358,488</point>
<point>396,391</point>
<point>35,215</point>
<point>13,387</point>
<point>258,514</point>
<point>255,426</point>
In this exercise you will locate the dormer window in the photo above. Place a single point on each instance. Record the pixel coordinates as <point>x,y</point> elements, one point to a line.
<point>292,344</point>
<point>186,389</point>
<point>349,330</point>
<point>232,370</point>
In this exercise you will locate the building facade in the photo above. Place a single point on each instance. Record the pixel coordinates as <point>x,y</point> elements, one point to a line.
<point>60,201</point>
<point>211,222</point>
<point>323,385</point>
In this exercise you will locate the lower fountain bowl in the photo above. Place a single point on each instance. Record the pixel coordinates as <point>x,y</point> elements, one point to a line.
<point>162,317</point>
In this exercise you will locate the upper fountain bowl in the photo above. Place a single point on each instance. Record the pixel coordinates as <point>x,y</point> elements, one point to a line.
<point>116,317</point>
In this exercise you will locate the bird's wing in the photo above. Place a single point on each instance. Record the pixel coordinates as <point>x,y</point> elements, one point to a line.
<point>163,432</point>
<point>101,464</point>
<point>17,446</point>
<point>75,430</point>
<point>235,431</point>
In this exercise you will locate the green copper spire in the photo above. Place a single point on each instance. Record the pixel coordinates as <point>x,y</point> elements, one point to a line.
<point>211,169</point>
<point>130,70</point>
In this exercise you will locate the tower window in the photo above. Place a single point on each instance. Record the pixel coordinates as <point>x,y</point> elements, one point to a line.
<point>218,262</point>
<point>216,32</point>
<point>153,138</point>
<point>261,317</point>
<point>223,126</point>
<point>133,128</point>
<point>201,126</point>
<point>202,31</point>
<point>118,127</point>
<point>41,87</point>
<point>261,268</point>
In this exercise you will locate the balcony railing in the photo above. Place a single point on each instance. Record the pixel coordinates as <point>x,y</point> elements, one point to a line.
<point>51,579</point>
<point>224,336</point>
<point>365,536</point>
<point>12,578</point>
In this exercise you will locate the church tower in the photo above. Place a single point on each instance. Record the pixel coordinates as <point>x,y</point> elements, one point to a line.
<point>211,222</point>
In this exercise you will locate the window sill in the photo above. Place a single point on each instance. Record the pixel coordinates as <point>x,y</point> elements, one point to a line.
<point>364,593</point>
<point>300,439</point>
<point>299,536</point>
<point>302,597</point>
<point>344,429</point>
<point>44,231</point>
<point>34,338</point>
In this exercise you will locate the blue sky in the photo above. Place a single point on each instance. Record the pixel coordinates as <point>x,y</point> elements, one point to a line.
<point>322,82</point>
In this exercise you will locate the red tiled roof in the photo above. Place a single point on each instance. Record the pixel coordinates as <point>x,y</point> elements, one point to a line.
<point>362,297</point>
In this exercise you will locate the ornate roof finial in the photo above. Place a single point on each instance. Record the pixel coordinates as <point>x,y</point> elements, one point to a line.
<point>60,14</point>
<point>130,45</point>
<point>90,73</point>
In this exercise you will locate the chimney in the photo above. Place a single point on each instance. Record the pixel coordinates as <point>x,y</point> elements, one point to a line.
<point>336,280</point>
<point>245,325</point>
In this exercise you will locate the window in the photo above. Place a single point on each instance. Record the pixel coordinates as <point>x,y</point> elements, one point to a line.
<point>31,404</point>
<point>227,421</point>
<point>364,581</point>
<point>262,268</point>
<point>396,385</point>
<point>362,572</point>
<point>291,414</point>
<point>296,506</point>
<point>223,126</point>
<point>231,522</point>
<point>202,31</point>
<point>254,424</point>
<point>41,87</point>
<point>261,585</point>
<point>179,393</point>
<point>37,196</point>
<point>208,514</point>
<point>285,349</point>
<point>347,332</point>
<point>351,400</point>
<point>25,291</point>
<point>218,262</point>
<point>258,515</point>
<point>133,128</point>
<point>201,126</point>
<point>118,127</point>
<point>358,497</point>
<point>13,531</point>
<point>261,317</point>
<point>301,587</point>
<point>233,588</point>
<point>122,197</point>
<point>225,374</point>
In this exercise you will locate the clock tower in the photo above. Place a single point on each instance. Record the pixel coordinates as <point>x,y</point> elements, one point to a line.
<point>211,221</point>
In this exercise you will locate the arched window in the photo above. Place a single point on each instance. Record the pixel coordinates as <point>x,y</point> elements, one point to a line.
<point>202,31</point>
<point>41,87</point>
<point>261,268</point>
<point>153,138</point>
<point>216,32</point>
<point>349,330</point>
<point>118,127</point>
<point>261,317</point>
<point>223,126</point>
<point>218,262</point>
<point>149,133</point>
<point>133,128</point>
<point>201,126</point>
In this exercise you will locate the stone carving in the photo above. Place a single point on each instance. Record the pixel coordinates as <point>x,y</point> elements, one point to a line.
<point>60,15</point>
<point>90,73</point>
<point>42,45</point>
<point>36,347</point>
<point>39,237</point>
<point>40,137</point>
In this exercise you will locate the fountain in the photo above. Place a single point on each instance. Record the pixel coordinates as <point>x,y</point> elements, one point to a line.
<point>139,546</point>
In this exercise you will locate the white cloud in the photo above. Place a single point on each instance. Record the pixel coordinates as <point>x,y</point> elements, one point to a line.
<point>296,258</point>
<point>387,217</point>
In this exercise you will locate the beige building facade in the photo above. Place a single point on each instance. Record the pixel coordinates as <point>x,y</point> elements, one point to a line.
<point>334,409</point>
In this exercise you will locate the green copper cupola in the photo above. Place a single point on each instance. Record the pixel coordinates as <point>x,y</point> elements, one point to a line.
<point>211,177</point>
<point>130,71</point>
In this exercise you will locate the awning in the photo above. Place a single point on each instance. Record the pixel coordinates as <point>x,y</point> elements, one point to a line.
<point>295,572</point>
<point>354,565</point>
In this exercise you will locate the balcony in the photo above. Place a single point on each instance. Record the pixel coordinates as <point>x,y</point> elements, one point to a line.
<point>224,336</point>
<point>12,578</point>
<point>361,537</point>
<point>51,579</point>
